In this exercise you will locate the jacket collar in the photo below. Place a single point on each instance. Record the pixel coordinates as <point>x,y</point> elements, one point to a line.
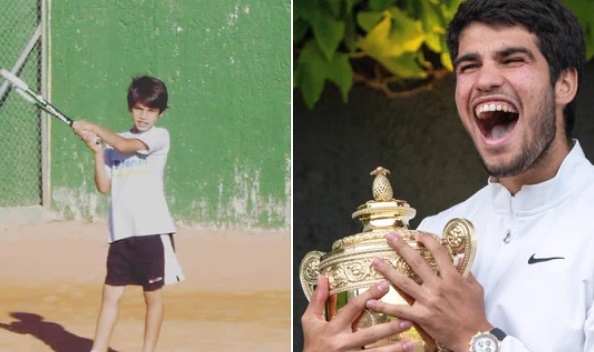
<point>575,171</point>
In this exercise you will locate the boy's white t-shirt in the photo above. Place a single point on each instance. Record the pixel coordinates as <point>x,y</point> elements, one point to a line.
<point>138,206</point>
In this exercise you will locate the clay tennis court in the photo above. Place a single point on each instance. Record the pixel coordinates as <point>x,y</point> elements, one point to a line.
<point>236,296</point>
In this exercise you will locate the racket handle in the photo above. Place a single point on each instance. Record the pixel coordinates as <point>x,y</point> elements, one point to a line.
<point>98,140</point>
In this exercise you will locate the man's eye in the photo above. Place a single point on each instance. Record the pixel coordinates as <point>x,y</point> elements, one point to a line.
<point>467,67</point>
<point>513,60</point>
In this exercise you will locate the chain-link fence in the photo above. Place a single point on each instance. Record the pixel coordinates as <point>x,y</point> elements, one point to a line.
<point>20,123</point>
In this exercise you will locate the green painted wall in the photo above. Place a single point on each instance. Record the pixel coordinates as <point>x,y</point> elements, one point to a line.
<point>227,67</point>
<point>20,160</point>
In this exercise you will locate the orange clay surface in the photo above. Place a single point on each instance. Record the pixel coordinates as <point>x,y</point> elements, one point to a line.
<point>236,296</point>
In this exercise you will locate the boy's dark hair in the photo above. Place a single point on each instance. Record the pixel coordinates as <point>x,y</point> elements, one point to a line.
<point>148,91</point>
<point>560,36</point>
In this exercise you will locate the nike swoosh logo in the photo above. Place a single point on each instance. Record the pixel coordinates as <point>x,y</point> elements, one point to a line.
<point>533,260</point>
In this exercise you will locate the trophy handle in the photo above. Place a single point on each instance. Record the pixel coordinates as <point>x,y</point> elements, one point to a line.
<point>309,271</point>
<point>459,236</point>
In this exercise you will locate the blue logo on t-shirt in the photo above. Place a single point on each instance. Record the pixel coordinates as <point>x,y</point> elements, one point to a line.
<point>130,166</point>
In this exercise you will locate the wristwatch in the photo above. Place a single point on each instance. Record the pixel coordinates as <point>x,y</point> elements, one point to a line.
<point>488,341</point>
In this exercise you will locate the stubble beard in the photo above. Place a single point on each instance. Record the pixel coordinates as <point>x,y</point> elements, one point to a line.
<point>533,151</point>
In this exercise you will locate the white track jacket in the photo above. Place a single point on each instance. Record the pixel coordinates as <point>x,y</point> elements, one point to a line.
<point>535,257</point>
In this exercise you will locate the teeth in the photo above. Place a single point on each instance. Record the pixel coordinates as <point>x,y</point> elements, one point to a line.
<point>494,107</point>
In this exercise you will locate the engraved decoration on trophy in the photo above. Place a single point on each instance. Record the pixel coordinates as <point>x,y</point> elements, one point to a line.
<point>348,266</point>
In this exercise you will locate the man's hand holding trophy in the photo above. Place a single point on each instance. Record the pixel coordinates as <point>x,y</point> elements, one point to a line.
<point>356,269</point>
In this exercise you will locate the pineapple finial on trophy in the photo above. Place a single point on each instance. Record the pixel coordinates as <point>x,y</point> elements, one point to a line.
<point>381,188</point>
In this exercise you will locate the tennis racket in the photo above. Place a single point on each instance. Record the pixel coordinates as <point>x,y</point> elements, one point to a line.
<point>29,95</point>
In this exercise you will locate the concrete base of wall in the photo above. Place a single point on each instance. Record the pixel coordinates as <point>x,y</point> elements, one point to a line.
<point>26,215</point>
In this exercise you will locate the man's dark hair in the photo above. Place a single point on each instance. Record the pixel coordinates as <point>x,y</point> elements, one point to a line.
<point>560,36</point>
<point>148,91</point>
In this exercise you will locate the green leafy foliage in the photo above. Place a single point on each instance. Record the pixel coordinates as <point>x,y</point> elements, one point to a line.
<point>393,45</point>
<point>396,40</point>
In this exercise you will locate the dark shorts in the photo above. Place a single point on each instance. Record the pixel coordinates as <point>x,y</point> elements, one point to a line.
<point>137,261</point>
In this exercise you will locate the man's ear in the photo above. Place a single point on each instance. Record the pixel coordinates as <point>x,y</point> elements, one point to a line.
<point>566,86</point>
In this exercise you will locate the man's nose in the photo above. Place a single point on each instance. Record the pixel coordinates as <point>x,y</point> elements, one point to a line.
<point>489,77</point>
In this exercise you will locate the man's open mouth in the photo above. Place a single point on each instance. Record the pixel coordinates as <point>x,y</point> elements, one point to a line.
<point>496,119</point>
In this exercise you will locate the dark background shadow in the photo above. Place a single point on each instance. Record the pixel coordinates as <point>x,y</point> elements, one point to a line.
<point>420,139</point>
<point>52,334</point>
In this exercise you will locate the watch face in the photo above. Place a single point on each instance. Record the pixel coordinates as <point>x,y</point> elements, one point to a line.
<point>485,343</point>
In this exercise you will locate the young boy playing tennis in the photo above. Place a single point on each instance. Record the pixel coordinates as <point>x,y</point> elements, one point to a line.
<point>130,167</point>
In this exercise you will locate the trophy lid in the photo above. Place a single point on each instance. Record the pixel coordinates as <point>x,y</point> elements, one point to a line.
<point>383,212</point>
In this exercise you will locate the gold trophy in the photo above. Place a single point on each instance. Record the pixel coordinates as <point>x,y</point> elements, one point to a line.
<point>350,272</point>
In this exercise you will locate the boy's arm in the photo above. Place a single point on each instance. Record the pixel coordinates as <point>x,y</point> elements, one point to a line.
<point>102,180</point>
<point>117,142</point>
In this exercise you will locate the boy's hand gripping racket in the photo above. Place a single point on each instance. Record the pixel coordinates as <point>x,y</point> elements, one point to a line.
<point>36,99</point>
